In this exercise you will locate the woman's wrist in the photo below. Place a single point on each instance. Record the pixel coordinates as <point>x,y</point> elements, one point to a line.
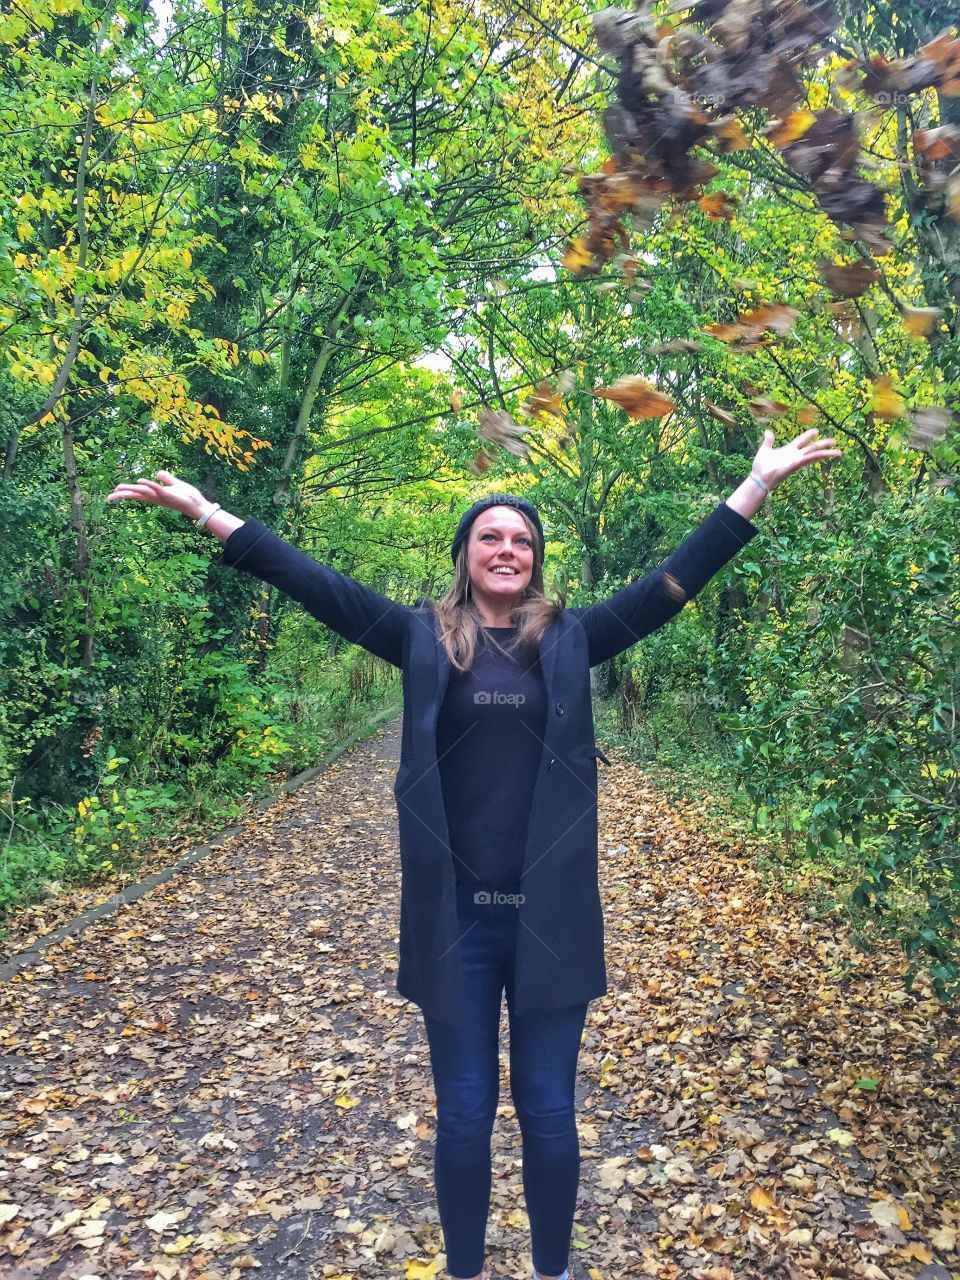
<point>750,495</point>
<point>215,520</point>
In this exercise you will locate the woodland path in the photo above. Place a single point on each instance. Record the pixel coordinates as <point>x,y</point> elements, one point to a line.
<point>221,1078</point>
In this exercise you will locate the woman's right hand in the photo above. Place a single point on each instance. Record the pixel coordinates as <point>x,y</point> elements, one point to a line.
<point>165,491</point>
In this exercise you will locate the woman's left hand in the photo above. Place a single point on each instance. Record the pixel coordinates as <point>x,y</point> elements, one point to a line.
<point>774,465</point>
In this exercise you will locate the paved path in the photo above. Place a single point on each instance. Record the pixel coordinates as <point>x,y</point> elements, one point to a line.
<point>222,1078</point>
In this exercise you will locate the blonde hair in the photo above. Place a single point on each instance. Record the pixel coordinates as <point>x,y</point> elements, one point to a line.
<point>460,621</point>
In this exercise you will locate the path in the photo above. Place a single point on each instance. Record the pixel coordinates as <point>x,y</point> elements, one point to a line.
<point>222,1078</point>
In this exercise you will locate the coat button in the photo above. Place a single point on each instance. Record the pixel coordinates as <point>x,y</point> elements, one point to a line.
<point>559,708</point>
<point>552,763</point>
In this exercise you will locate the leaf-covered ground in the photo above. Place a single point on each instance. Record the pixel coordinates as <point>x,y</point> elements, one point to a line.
<point>222,1078</point>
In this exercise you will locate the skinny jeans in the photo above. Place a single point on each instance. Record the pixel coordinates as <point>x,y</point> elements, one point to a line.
<point>465,1063</point>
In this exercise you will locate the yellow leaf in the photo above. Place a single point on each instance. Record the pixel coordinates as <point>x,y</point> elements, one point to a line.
<point>761,1199</point>
<point>187,257</point>
<point>423,1270</point>
<point>345,1101</point>
<point>782,132</point>
<point>885,401</point>
<point>577,255</point>
<point>919,321</point>
<point>178,1246</point>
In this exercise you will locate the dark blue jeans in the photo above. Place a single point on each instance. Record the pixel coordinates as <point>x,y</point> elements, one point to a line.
<point>466,1073</point>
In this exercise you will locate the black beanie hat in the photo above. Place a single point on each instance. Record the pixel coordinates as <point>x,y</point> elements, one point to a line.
<point>494,500</point>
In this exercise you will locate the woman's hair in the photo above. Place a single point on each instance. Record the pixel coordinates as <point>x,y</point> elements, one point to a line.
<point>460,621</point>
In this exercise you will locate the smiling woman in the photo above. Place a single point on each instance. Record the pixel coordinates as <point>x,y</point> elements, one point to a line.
<point>497,806</point>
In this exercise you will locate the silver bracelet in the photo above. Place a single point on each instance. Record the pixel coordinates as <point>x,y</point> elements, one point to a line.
<point>759,482</point>
<point>203,519</point>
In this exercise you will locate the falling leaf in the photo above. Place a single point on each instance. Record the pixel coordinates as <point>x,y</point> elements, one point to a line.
<point>937,144</point>
<point>919,321</point>
<point>721,415</point>
<point>544,401</point>
<point>807,415</point>
<point>456,401</point>
<point>499,428</point>
<point>577,256</point>
<point>782,132</point>
<point>639,398</point>
<point>851,280</point>
<point>763,408</point>
<point>730,135</point>
<point>718,204</point>
<point>674,345</point>
<point>775,315</point>
<point>929,424</point>
<point>885,402</point>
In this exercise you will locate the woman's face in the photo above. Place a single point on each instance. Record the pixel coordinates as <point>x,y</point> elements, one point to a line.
<point>499,541</point>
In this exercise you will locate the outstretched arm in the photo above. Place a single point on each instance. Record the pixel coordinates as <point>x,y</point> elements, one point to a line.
<point>615,624</point>
<point>357,612</point>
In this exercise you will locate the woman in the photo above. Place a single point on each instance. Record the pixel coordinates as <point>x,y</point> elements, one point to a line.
<point>496,796</point>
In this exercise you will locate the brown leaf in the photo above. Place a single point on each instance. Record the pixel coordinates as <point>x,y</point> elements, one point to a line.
<point>937,144</point>
<point>774,315</point>
<point>763,408</point>
<point>544,400</point>
<point>639,398</point>
<point>721,415</point>
<point>456,401</point>
<point>499,428</point>
<point>851,279</point>
<point>718,204</point>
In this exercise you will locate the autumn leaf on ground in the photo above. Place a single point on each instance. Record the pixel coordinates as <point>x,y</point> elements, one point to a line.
<point>639,398</point>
